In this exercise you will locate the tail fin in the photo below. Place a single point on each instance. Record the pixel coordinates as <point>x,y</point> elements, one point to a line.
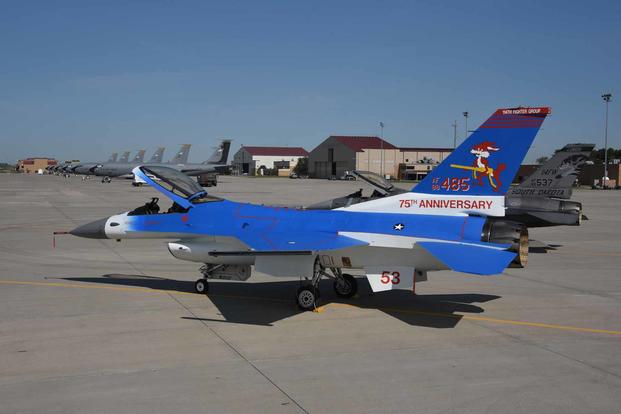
<point>221,155</point>
<point>139,158</point>
<point>486,162</point>
<point>113,157</point>
<point>182,156</point>
<point>556,176</point>
<point>125,157</point>
<point>157,155</point>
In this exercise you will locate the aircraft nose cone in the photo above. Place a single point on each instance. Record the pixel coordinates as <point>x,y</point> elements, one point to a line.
<point>93,230</point>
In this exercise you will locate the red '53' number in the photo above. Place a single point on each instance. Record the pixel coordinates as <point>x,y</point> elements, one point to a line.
<point>390,277</point>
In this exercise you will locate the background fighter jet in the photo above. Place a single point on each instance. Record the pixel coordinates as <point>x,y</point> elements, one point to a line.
<point>542,199</point>
<point>452,220</point>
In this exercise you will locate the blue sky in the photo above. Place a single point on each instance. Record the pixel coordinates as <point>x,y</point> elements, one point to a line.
<point>83,79</point>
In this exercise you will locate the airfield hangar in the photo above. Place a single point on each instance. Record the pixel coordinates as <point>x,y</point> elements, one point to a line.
<point>339,153</point>
<point>267,160</point>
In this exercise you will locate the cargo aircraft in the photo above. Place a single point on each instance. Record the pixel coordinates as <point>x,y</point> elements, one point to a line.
<point>88,168</point>
<point>454,219</point>
<point>217,161</point>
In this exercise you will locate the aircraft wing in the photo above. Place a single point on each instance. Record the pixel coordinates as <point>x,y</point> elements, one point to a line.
<point>278,242</point>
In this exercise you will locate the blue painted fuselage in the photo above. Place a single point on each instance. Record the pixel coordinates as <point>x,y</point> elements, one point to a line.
<point>264,228</point>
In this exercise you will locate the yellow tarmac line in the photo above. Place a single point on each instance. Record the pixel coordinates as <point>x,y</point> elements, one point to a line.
<point>321,309</point>
<point>483,319</point>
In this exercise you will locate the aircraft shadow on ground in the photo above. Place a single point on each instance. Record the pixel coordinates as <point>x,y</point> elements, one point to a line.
<point>540,247</point>
<point>264,303</point>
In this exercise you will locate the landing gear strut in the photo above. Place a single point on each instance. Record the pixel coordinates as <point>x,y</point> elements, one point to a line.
<point>345,286</point>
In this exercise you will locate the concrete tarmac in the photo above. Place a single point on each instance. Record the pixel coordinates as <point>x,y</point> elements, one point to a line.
<point>106,327</point>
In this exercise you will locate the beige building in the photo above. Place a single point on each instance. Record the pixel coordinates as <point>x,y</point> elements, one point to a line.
<point>338,154</point>
<point>258,160</point>
<point>33,165</point>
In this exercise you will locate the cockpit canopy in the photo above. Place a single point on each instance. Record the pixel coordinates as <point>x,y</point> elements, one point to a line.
<point>381,188</point>
<point>378,182</point>
<point>175,185</point>
<point>174,181</point>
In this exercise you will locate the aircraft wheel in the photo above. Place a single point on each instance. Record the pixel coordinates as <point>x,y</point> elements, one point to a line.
<point>307,297</point>
<point>346,287</point>
<point>201,286</point>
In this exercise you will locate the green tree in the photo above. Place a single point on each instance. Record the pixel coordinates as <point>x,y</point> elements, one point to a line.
<point>301,168</point>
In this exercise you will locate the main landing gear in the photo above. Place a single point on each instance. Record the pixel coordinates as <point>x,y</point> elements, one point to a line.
<point>345,286</point>
<point>201,286</point>
<point>106,180</point>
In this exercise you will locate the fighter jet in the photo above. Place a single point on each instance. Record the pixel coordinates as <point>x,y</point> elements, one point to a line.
<point>454,219</point>
<point>542,199</point>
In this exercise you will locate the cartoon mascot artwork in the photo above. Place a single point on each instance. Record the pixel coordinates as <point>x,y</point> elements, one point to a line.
<point>481,166</point>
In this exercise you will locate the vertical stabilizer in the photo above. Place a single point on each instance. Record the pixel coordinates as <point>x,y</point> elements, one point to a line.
<point>182,156</point>
<point>477,174</point>
<point>125,157</point>
<point>157,155</point>
<point>221,154</point>
<point>139,158</point>
<point>113,157</point>
<point>556,177</point>
<point>486,162</point>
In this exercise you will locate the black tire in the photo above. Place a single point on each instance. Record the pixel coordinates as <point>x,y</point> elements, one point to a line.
<point>307,297</point>
<point>201,286</point>
<point>348,287</point>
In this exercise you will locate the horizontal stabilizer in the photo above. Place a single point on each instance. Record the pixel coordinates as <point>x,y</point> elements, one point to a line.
<point>467,258</point>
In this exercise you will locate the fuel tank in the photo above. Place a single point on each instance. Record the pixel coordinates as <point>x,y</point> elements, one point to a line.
<point>198,250</point>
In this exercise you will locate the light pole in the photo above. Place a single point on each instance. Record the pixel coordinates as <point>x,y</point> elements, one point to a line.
<point>454,134</point>
<point>382,149</point>
<point>466,116</point>
<point>607,98</point>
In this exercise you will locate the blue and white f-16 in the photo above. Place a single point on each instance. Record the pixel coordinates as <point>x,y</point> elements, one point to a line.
<point>452,220</point>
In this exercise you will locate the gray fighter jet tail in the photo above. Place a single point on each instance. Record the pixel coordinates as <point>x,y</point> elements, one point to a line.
<point>124,158</point>
<point>221,155</point>
<point>113,157</point>
<point>139,158</point>
<point>157,155</point>
<point>556,177</point>
<point>182,156</point>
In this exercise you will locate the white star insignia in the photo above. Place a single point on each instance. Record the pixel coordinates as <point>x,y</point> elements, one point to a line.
<point>398,226</point>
